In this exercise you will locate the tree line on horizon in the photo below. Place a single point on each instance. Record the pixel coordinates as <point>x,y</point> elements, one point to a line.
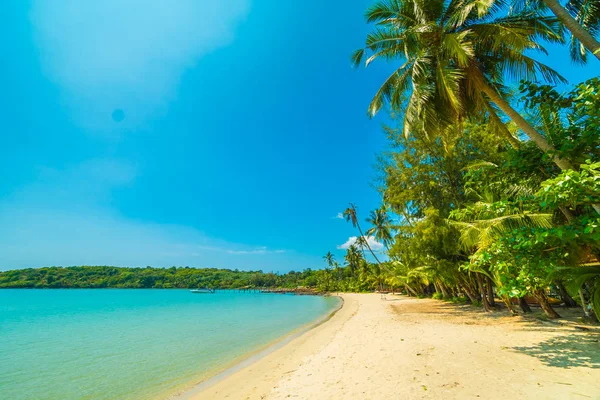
<point>97,277</point>
<point>491,186</point>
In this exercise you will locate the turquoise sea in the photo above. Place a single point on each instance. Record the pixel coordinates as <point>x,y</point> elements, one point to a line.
<point>134,344</point>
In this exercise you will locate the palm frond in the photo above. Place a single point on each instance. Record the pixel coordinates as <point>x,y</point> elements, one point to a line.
<point>357,57</point>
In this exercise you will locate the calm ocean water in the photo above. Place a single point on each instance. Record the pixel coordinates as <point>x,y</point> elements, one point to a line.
<point>134,344</point>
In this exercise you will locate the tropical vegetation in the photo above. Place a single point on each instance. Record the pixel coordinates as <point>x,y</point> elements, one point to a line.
<point>491,187</point>
<point>95,277</point>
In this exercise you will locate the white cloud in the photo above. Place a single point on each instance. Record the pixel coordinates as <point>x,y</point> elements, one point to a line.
<point>339,216</point>
<point>374,244</point>
<point>130,55</point>
<point>262,250</point>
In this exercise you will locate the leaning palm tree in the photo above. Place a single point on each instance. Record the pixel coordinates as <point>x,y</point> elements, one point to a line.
<point>580,17</point>
<point>381,228</point>
<point>398,277</point>
<point>456,55</point>
<point>584,24</point>
<point>350,216</point>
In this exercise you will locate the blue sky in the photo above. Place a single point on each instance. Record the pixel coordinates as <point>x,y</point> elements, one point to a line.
<point>244,133</point>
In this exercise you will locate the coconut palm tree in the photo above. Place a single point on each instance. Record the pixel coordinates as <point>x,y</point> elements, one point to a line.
<point>456,55</point>
<point>583,26</point>
<point>329,259</point>
<point>398,277</point>
<point>338,270</point>
<point>350,216</point>
<point>362,244</point>
<point>353,258</point>
<point>587,277</point>
<point>381,228</point>
<point>480,225</point>
<point>580,17</point>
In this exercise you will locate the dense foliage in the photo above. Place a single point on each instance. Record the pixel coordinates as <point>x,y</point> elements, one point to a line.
<point>471,217</point>
<point>158,278</point>
<point>488,192</point>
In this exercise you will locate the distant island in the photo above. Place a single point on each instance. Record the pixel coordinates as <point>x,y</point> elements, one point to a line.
<point>152,278</point>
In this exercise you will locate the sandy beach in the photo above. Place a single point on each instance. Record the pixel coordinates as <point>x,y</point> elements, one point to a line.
<point>400,347</point>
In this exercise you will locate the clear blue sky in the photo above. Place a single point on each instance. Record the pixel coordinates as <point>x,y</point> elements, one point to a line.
<point>244,131</point>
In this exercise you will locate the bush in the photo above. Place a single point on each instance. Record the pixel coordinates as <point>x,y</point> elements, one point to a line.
<point>438,296</point>
<point>458,300</point>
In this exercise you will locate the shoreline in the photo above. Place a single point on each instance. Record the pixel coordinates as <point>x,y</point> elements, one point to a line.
<point>217,375</point>
<point>399,347</point>
<point>255,379</point>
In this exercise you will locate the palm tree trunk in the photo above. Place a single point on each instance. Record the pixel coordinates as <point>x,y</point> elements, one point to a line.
<point>469,289</point>
<point>472,297</point>
<point>585,37</point>
<point>545,304</point>
<point>513,141</point>
<point>564,295</point>
<point>443,289</point>
<point>568,214</point>
<point>410,290</point>
<point>486,304</point>
<point>524,306</point>
<point>367,243</point>
<point>490,291</point>
<point>529,130</point>
<point>508,303</point>
<point>405,215</point>
<point>583,304</point>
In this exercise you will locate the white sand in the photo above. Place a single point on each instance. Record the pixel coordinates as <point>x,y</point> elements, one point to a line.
<point>403,348</point>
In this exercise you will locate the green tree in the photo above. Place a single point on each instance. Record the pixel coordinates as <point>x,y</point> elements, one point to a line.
<point>381,228</point>
<point>350,216</point>
<point>329,259</point>
<point>456,56</point>
<point>580,17</point>
<point>353,258</point>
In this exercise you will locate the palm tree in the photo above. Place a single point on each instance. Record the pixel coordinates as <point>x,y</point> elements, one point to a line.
<point>580,17</point>
<point>382,226</point>
<point>582,27</point>
<point>339,272</point>
<point>398,277</point>
<point>480,226</point>
<point>350,216</point>
<point>361,243</point>
<point>456,54</point>
<point>353,258</point>
<point>329,259</point>
<point>587,276</point>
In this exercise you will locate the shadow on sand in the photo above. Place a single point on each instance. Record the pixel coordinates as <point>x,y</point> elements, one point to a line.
<point>566,351</point>
<point>566,348</point>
